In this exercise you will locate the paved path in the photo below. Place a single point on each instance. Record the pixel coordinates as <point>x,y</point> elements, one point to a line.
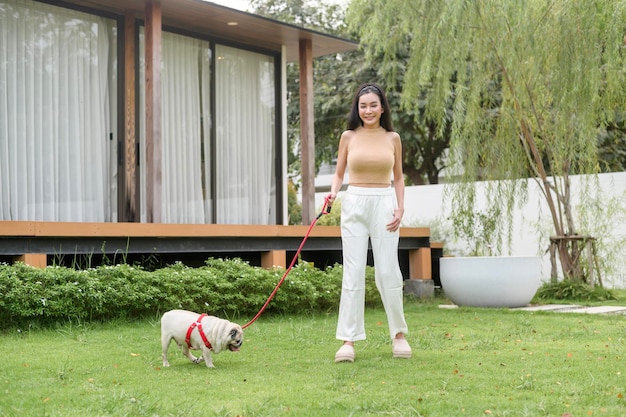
<point>566,308</point>
<point>572,308</point>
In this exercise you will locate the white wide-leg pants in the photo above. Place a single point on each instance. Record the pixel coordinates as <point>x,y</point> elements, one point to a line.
<point>365,213</point>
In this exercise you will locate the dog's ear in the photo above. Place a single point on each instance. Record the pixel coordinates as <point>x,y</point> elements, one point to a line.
<point>233,333</point>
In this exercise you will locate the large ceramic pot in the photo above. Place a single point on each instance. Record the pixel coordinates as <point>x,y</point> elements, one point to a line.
<point>490,281</point>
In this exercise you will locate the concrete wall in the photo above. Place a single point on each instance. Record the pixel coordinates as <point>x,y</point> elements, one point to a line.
<point>425,206</point>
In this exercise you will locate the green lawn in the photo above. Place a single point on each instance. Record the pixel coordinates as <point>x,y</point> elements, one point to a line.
<point>471,362</point>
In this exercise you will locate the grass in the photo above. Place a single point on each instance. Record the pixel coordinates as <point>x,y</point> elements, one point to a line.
<point>467,362</point>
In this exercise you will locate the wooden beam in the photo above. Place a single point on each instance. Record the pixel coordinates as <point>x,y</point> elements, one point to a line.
<point>153,110</point>
<point>36,260</point>
<point>307,131</point>
<point>17,238</point>
<point>97,229</point>
<point>128,207</point>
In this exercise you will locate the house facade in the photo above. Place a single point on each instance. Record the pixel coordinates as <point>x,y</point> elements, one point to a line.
<point>150,111</point>
<point>134,128</point>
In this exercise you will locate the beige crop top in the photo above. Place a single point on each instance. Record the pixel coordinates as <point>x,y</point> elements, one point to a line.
<point>370,157</point>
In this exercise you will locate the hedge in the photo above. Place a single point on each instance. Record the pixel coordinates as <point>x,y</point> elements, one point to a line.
<point>227,288</point>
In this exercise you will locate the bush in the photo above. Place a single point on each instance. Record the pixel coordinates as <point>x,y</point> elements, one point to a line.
<point>227,288</point>
<point>573,290</point>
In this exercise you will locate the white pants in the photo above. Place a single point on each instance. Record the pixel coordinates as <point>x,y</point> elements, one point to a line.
<point>365,213</point>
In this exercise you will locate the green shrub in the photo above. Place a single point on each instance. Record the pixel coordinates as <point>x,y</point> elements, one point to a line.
<point>40,297</point>
<point>573,290</point>
<point>309,289</point>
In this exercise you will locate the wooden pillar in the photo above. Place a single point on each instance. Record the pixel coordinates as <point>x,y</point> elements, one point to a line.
<point>37,260</point>
<point>588,248</point>
<point>274,259</point>
<point>307,131</point>
<point>128,178</point>
<point>420,263</point>
<point>153,110</point>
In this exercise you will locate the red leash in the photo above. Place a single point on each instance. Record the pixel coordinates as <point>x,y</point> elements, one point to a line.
<point>325,210</point>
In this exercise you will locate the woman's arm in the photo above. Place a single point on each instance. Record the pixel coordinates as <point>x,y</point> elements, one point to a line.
<point>398,184</point>
<point>342,163</point>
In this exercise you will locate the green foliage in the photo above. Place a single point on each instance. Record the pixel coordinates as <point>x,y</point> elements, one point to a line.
<point>466,362</point>
<point>294,208</point>
<point>332,92</point>
<point>554,82</point>
<point>573,290</point>
<point>478,229</point>
<point>40,297</point>
<point>612,144</point>
<point>531,84</point>
<point>336,78</point>
<point>333,218</point>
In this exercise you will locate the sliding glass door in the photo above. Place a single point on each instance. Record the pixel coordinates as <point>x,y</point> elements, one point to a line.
<point>218,165</point>
<point>58,114</point>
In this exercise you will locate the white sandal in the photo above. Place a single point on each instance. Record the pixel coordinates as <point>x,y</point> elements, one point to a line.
<point>345,354</point>
<point>401,349</point>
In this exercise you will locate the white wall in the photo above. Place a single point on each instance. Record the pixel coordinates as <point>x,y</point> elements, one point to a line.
<point>425,206</point>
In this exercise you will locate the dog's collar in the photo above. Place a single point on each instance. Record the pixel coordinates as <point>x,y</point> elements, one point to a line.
<point>198,324</point>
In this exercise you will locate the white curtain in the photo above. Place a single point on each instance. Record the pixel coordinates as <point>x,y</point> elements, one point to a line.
<point>185,84</point>
<point>244,149</point>
<point>245,136</point>
<point>57,86</point>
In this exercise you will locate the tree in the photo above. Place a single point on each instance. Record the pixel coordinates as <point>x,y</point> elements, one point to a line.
<point>612,144</point>
<point>336,78</point>
<point>331,74</point>
<point>424,144</point>
<point>559,67</point>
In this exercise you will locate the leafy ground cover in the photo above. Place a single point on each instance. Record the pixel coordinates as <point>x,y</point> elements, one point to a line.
<point>472,362</point>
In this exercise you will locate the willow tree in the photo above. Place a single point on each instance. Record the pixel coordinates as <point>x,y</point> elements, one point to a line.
<point>532,83</point>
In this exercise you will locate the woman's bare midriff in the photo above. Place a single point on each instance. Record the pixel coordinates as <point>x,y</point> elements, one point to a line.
<point>370,185</point>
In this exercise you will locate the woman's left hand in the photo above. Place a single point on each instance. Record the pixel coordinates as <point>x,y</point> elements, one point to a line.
<point>394,224</point>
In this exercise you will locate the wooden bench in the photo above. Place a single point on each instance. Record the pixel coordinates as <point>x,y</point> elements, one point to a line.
<point>33,242</point>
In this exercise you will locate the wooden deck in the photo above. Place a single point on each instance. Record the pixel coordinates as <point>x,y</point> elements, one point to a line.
<point>68,229</point>
<point>35,242</point>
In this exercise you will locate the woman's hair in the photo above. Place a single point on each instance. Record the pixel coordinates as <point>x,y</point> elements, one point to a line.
<point>354,121</point>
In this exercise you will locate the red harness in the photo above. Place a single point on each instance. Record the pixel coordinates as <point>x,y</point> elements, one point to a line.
<point>198,324</point>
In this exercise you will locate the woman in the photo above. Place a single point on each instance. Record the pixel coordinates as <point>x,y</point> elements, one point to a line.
<point>370,209</point>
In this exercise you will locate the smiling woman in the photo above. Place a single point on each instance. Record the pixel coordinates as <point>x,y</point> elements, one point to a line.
<point>371,211</point>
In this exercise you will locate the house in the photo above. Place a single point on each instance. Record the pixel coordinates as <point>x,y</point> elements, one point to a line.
<point>141,126</point>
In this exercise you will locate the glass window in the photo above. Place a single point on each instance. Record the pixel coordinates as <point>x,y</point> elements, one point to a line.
<point>185,134</point>
<point>241,167</point>
<point>245,116</point>
<point>58,114</point>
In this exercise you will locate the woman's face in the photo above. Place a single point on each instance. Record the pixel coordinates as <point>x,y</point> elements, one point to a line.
<point>370,110</point>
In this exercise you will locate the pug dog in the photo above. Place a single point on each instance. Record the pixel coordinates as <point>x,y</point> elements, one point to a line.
<point>201,332</point>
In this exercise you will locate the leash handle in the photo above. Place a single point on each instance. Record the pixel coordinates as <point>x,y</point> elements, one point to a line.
<point>325,210</point>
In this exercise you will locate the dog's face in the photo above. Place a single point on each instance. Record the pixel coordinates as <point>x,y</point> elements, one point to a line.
<point>235,338</point>
<point>223,334</point>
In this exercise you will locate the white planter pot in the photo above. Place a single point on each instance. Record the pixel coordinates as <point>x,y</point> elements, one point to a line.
<point>490,281</point>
